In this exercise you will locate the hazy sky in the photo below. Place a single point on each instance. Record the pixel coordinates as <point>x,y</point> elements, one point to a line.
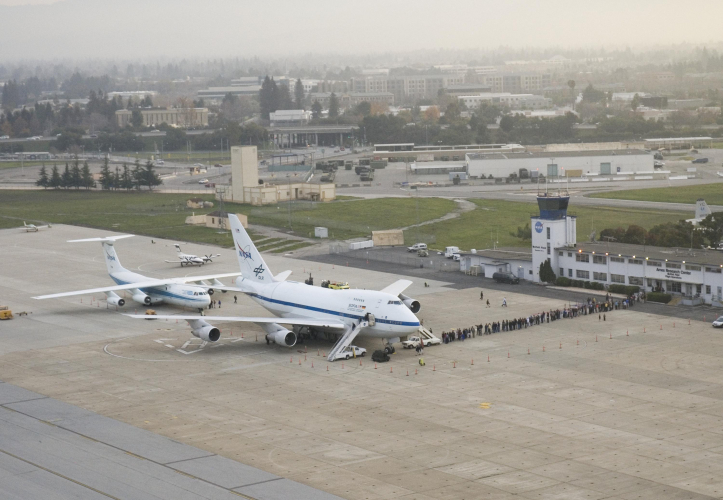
<point>133,29</point>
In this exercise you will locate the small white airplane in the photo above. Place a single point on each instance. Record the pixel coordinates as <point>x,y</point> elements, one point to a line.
<point>190,259</point>
<point>702,210</point>
<point>32,228</point>
<point>385,314</point>
<point>192,291</point>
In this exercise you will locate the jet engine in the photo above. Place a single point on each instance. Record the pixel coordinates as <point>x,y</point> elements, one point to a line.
<point>114,300</point>
<point>411,303</point>
<point>141,297</point>
<point>280,335</point>
<point>204,331</point>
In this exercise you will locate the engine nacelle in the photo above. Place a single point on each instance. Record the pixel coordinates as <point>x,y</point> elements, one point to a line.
<point>207,333</point>
<point>114,300</point>
<point>142,298</point>
<point>282,337</point>
<point>411,303</point>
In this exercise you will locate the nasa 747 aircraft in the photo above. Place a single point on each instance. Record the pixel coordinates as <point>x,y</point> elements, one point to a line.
<point>145,290</point>
<point>385,314</point>
<point>190,259</point>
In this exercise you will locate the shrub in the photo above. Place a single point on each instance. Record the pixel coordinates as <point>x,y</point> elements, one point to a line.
<point>597,286</point>
<point>663,298</point>
<point>624,289</point>
<point>562,281</point>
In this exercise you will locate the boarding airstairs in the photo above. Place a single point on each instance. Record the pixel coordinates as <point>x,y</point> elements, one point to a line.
<point>425,334</point>
<point>346,339</point>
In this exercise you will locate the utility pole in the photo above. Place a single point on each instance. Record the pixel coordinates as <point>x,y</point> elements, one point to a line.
<point>288,177</point>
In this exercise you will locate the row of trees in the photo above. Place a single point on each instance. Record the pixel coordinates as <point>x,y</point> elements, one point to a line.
<point>78,177</point>
<point>672,234</point>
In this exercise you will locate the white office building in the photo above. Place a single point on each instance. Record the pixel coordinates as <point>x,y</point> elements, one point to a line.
<point>505,99</point>
<point>694,274</point>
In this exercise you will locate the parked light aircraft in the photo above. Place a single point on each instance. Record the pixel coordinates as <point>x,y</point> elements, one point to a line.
<point>176,291</point>
<point>385,314</point>
<point>190,259</point>
<point>32,228</point>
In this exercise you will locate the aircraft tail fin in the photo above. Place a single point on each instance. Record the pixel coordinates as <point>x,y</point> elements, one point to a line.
<point>112,262</point>
<point>250,261</point>
<point>702,210</point>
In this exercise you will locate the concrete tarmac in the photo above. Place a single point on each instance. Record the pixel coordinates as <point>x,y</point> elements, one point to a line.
<point>626,408</point>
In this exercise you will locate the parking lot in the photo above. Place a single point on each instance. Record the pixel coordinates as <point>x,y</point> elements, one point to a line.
<point>630,407</point>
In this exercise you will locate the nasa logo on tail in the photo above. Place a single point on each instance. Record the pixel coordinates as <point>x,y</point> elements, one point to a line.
<point>244,253</point>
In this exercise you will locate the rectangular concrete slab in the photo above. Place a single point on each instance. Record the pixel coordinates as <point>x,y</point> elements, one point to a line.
<point>284,489</point>
<point>50,410</point>
<point>131,439</point>
<point>223,471</point>
<point>10,393</point>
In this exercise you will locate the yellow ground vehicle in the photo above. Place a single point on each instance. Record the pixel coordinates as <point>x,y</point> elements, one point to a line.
<point>335,285</point>
<point>5,313</point>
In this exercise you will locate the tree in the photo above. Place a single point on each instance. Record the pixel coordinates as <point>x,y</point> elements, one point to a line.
<point>150,177</point>
<point>43,179</point>
<point>126,178</point>
<point>364,108</point>
<point>75,177</point>
<point>137,175</point>
<point>136,118</point>
<point>713,228</point>
<point>635,103</point>
<point>316,110</point>
<point>106,176</point>
<point>571,84</point>
<point>507,123</point>
<point>333,106</point>
<point>523,233</point>
<point>86,178</point>
<point>55,180</point>
<point>65,179</point>
<point>266,97</point>
<point>546,273</point>
<point>299,94</point>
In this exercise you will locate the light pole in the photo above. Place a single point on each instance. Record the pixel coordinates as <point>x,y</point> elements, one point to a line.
<point>288,178</point>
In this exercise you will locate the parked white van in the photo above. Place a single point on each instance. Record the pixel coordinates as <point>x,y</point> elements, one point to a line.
<point>450,251</point>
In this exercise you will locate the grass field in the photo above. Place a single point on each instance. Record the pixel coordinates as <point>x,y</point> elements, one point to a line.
<point>496,219</point>
<point>712,193</point>
<point>163,215</point>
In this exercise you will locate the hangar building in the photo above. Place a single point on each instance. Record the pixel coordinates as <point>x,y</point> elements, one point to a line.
<point>561,163</point>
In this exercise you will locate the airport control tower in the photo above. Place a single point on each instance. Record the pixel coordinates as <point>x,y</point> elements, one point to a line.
<point>551,229</point>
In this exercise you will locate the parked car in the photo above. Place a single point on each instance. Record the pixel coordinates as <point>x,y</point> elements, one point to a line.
<point>456,257</point>
<point>413,342</point>
<point>506,278</point>
<point>718,323</point>
<point>2,137</point>
<point>334,285</point>
<point>350,352</point>
<point>203,181</point>
<point>700,160</point>
<point>417,246</point>
<point>159,162</point>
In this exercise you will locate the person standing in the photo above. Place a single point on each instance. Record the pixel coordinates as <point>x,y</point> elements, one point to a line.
<point>235,299</point>
<point>504,302</point>
<point>481,295</point>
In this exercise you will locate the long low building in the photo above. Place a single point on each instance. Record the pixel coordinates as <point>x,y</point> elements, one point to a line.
<point>561,163</point>
<point>694,274</point>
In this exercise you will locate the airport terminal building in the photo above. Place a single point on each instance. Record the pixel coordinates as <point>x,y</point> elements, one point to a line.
<point>694,274</point>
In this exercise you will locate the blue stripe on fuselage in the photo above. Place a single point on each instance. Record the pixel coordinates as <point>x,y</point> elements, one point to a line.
<point>329,311</point>
<point>156,291</point>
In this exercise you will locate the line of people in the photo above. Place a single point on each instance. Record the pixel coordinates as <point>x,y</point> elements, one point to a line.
<point>591,306</point>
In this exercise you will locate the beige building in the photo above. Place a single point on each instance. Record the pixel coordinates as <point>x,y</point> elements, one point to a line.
<point>177,117</point>
<point>245,187</point>
<point>219,220</point>
<point>388,238</point>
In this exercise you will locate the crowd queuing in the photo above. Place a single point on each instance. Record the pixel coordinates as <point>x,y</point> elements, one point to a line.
<point>591,306</point>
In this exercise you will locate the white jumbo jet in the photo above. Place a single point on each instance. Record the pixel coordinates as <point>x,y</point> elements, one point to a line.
<point>32,228</point>
<point>386,314</point>
<point>190,259</point>
<point>145,290</point>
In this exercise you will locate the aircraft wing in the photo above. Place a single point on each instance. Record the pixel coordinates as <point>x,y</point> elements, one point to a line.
<point>129,286</point>
<point>194,279</point>
<point>397,287</point>
<point>139,284</point>
<point>247,319</point>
